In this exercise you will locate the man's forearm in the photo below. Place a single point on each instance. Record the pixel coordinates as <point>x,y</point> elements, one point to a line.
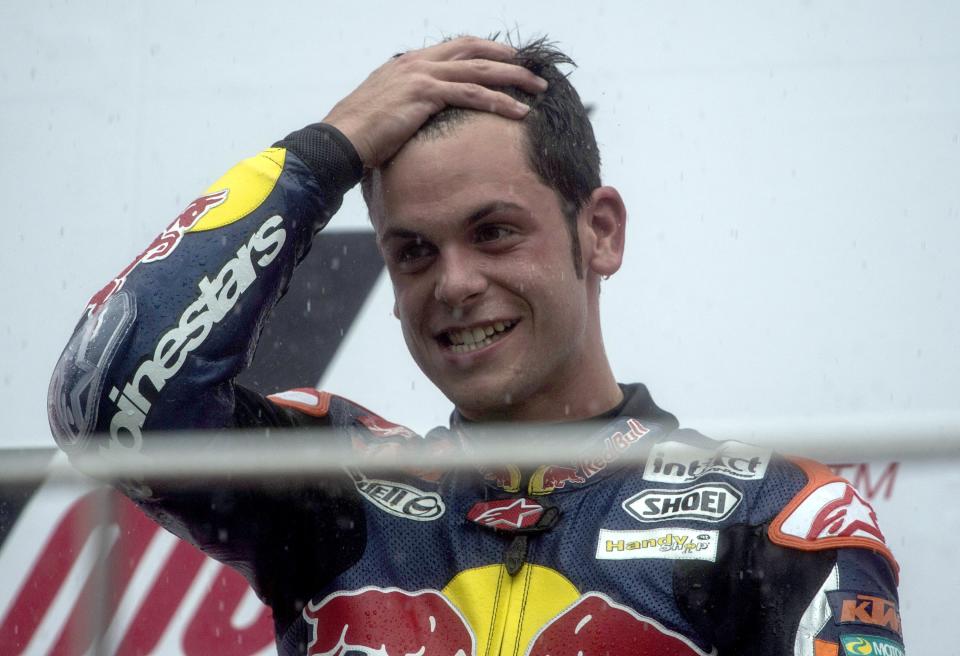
<point>159,346</point>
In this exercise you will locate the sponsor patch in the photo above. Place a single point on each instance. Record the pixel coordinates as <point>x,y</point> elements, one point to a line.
<point>215,300</point>
<point>613,446</point>
<point>549,478</point>
<point>858,608</point>
<point>400,499</point>
<point>708,502</point>
<point>658,543</point>
<point>506,514</point>
<point>828,513</point>
<point>834,510</point>
<point>676,462</point>
<point>856,644</point>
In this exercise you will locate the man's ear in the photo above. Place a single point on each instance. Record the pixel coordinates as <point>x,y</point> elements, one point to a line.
<point>604,219</point>
<point>396,306</point>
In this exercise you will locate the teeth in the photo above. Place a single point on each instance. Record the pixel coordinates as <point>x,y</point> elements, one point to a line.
<point>470,339</point>
<point>466,348</point>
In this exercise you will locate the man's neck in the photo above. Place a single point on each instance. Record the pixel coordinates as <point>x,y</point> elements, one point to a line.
<point>580,402</point>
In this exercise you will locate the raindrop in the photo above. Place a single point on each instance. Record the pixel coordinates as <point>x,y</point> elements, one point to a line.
<point>222,535</point>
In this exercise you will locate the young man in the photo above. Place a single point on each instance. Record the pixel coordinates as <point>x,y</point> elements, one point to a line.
<point>482,178</point>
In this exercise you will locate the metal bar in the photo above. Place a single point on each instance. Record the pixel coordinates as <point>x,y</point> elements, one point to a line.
<point>272,454</point>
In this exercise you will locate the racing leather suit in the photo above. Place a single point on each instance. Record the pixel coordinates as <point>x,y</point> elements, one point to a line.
<point>706,548</point>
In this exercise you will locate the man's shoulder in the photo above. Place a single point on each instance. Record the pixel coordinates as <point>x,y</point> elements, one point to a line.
<point>802,504</point>
<point>686,457</point>
<point>319,407</point>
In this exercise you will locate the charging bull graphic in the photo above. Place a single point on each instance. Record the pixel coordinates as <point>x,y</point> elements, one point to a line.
<point>388,621</point>
<point>162,245</point>
<point>392,622</point>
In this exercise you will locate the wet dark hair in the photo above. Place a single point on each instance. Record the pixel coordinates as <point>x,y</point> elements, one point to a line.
<point>561,147</point>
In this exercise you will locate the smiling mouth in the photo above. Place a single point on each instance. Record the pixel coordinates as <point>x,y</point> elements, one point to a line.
<point>465,340</point>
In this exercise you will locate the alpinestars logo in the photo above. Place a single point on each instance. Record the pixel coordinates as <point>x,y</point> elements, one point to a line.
<point>217,297</point>
<point>506,514</point>
<point>834,510</point>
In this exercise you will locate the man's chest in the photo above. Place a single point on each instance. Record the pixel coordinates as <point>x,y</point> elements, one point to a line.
<point>456,570</point>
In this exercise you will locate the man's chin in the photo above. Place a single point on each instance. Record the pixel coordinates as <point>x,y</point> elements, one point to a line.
<point>483,401</point>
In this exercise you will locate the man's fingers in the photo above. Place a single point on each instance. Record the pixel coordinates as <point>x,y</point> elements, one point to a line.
<point>490,73</point>
<point>477,96</point>
<point>466,47</point>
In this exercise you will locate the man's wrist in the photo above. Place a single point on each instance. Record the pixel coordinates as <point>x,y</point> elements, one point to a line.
<point>328,153</point>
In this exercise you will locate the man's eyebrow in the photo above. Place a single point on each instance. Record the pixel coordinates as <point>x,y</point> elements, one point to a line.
<point>400,233</point>
<point>490,208</point>
<point>475,216</point>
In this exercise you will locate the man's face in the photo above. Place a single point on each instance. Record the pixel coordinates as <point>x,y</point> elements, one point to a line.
<point>480,258</point>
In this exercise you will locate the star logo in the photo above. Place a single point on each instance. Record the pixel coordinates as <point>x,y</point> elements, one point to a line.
<point>844,517</point>
<point>506,514</point>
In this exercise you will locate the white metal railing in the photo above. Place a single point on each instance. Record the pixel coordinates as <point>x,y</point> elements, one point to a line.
<point>275,453</point>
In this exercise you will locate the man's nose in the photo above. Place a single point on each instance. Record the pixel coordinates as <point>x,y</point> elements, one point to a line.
<point>460,279</point>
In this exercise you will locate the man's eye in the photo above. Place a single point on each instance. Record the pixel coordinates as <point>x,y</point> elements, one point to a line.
<point>413,252</point>
<point>492,232</point>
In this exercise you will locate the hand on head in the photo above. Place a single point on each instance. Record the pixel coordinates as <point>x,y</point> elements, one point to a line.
<point>388,108</point>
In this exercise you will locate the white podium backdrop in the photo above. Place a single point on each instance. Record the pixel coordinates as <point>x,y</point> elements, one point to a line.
<point>790,173</point>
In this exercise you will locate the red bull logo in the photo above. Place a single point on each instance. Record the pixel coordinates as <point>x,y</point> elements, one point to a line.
<point>162,245</point>
<point>549,478</point>
<point>388,622</point>
<point>393,622</point>
<point>597,626</point>
<point>506,478</point>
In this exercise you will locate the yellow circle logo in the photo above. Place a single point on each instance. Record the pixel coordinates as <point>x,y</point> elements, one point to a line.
<point>248,184</point>
<point>858,646</point>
